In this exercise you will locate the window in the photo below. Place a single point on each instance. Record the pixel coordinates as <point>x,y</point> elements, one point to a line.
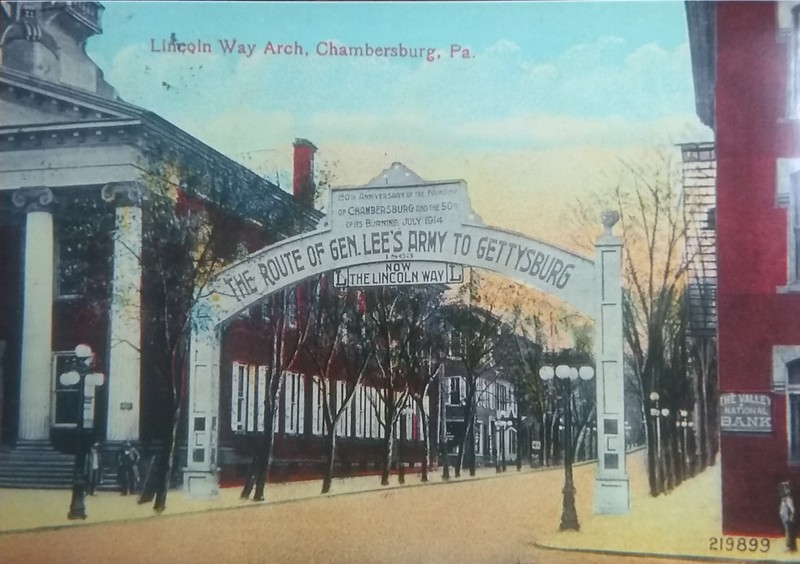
<point>456,345</point>
<point>261,396</point>
<point>483,391</point>
<point>294,403</point>
<point>454,430</point>
<point>245,396</point>
<point>711,219</point>
<point>361,411</point>
<point>788,197</point>
<point>793,389</point>
<point>408,417</point>
<point>479,437</point>
<point>343,425</point>
<point>503,397</point>
<point>794,65</point>
<point>786,382</point>
<point>363,406</point>
<point>412,425</point>
<point>456,390</point>
<point>511,442</point>
<point>788,23</point>
<point>73,265</point>
<point>317,416</point>
<point>794,219</point>
<point>374,405</point>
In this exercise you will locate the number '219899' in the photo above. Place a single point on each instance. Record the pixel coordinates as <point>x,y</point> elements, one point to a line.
<point>739,544</point>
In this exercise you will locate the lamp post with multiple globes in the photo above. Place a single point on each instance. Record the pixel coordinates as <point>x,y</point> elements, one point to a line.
<point>568,375</point>
<point>657,414</point>
<point>82,364</point>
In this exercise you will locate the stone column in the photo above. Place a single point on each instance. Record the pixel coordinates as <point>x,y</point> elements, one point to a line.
<point>612,492</point>
<point>37,308</point>
<point>200,474</point>
<point>125,340</point>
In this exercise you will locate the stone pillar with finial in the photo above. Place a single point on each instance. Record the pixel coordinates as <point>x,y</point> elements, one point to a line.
<point>612,492</point>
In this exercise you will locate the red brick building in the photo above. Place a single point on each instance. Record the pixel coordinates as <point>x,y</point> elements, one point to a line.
<point>746,59</point>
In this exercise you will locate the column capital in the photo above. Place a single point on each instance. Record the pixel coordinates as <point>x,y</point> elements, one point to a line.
<point>33,199</point>
<point>123,193</point>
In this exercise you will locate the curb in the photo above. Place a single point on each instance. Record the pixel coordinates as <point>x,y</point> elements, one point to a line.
<point>249,504</point>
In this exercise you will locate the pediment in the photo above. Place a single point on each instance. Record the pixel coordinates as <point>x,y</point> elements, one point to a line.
<point>25,100</point>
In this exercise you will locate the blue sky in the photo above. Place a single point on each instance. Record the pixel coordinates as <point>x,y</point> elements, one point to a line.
<point>553,91</point>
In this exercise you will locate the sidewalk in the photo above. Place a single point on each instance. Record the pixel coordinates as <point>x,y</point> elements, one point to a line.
<point>678,525</point>
<point>26,510</point>
<point>681,524</point>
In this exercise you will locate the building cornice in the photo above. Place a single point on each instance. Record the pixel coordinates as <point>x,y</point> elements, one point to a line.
<point>701,22</point>
<point>105,115</point>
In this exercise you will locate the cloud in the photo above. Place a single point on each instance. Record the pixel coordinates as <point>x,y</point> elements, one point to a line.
<point>450,118</point>
<point>560,130</point>
<point>593,79</point>
<point>503,47</point>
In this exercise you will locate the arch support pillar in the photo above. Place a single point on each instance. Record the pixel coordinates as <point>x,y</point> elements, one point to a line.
<point>612,491</point>
<point>200,473</point>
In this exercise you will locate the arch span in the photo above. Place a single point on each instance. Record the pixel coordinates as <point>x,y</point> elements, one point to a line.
<point>426,223</point>
<point>543,266</point>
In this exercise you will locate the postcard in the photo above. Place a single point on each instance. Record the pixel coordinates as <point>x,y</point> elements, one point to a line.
<point>369,282</point>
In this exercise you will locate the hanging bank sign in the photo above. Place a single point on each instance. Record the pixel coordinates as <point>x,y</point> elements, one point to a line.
<point>745,413</point>
<point>412,232</point>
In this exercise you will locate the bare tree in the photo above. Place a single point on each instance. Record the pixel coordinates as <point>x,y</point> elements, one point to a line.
<point>285,327</point>
<point>339,348</point>
<point>423,356</point>
<point>475,328</point>
<point>388,308</point>
<point>192,227</point>
<point>650,201</point>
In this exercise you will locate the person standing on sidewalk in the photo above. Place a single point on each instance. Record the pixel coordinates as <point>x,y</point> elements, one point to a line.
<point>788,515</point>
<point>93,476</point>
<point>128,468</point>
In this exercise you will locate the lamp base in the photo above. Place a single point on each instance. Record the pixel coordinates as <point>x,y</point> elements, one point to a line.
<point>77,507</point>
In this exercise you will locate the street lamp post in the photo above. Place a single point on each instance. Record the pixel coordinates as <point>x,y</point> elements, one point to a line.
<point>503,424</point>
<point>684,424</point>
<point>496,445</point>
<point>569,515</point>
<point>403,425</point>
<point>83,361</point>
<point>657,414</point>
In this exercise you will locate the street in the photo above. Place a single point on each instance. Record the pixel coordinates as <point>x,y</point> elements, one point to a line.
<point>482,521</point>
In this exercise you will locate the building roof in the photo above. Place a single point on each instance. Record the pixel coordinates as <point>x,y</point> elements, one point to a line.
<point>95,111</point>
<point>701,21</point>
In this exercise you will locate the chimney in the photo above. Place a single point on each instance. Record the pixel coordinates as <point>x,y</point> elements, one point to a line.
<point>303,175</point>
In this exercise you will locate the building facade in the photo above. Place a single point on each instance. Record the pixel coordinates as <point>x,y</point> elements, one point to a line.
<point>746,59</point>
<point>85,179</point>
<point>103,205</point>
<point>495,416</point>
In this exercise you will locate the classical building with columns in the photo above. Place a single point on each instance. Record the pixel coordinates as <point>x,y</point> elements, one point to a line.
<point>98,199</point>
<point>78,173</point>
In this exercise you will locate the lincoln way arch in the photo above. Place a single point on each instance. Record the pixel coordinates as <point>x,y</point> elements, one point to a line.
<point>399,217</point>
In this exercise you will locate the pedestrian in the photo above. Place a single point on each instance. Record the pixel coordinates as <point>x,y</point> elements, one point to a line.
<point>788,516</point>
<point>128,468</point>
<point>93,469</point>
